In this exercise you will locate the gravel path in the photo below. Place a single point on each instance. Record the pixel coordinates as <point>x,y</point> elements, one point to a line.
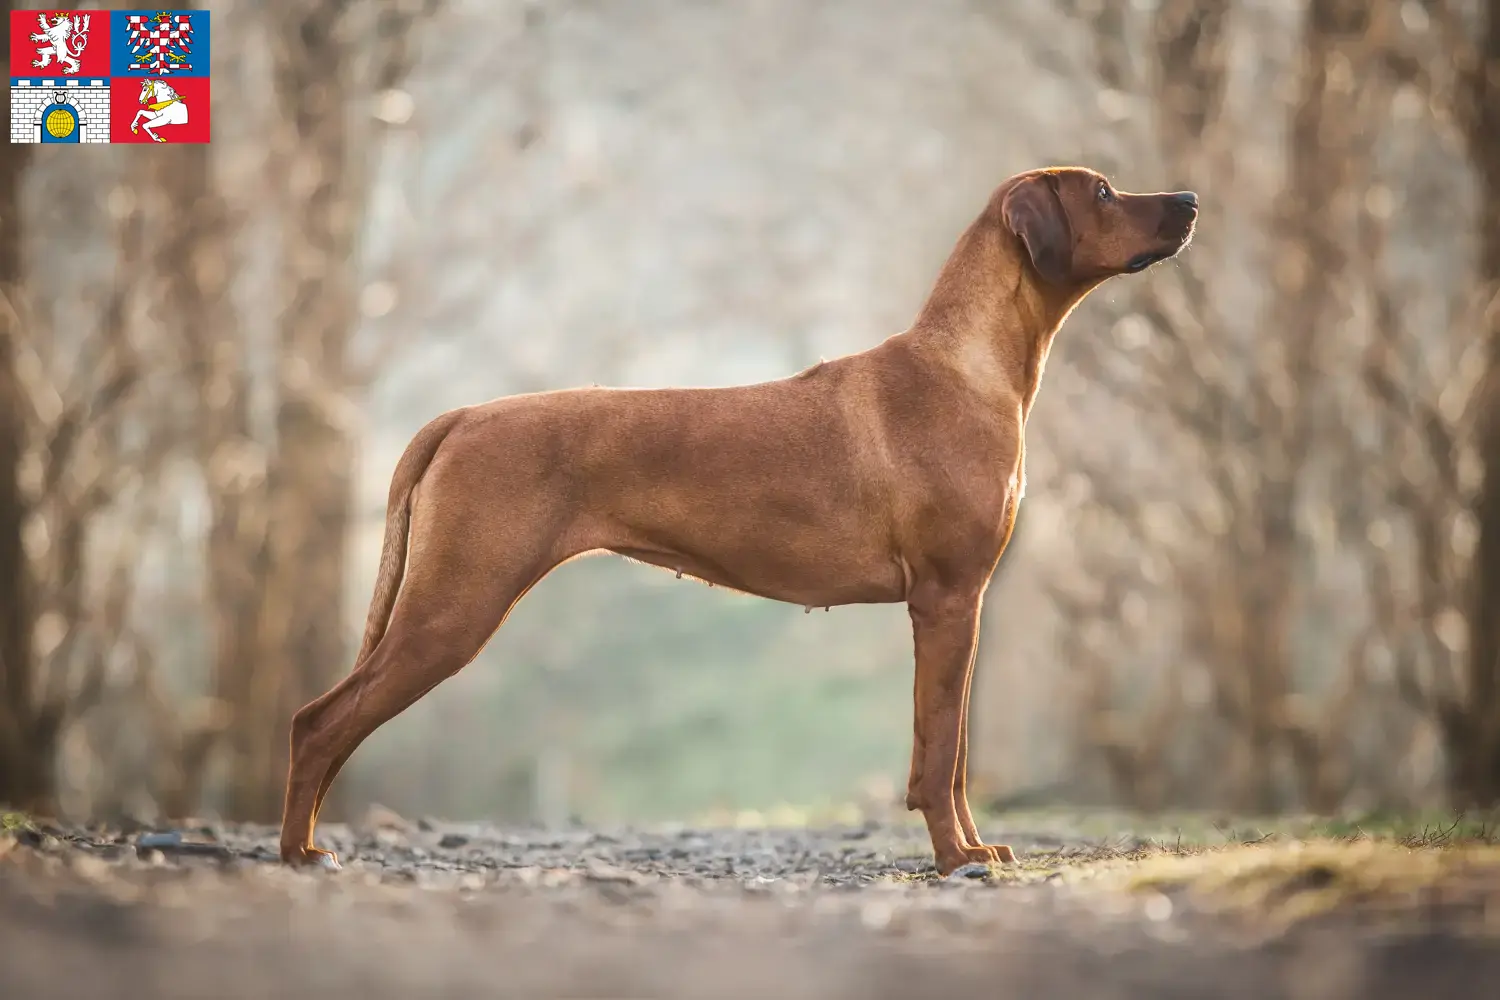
<point>468,911</point>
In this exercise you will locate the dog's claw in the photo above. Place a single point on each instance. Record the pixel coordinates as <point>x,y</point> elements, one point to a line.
<point>1000,854</point>
<point>329,862</point>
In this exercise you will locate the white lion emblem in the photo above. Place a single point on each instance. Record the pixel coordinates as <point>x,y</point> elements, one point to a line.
<point>64,37</point>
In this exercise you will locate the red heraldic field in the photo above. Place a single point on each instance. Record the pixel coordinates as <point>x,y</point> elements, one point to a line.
<point>59,43</point>
<point>131,102</point>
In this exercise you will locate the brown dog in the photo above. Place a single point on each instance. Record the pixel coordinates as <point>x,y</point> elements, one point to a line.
<point>889,475</point>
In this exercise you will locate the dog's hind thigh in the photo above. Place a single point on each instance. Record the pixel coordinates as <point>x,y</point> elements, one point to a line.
<point>455,595</point>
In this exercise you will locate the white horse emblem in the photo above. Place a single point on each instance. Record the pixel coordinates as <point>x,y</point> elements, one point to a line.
<point>65,37</point>
<point>163,106</point>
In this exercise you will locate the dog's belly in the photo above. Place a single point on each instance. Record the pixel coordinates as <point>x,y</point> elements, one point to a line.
<point>780,575</point>
<point>806,536</point>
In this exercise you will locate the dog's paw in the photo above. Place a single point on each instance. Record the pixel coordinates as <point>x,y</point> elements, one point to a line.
<point>312,857</point>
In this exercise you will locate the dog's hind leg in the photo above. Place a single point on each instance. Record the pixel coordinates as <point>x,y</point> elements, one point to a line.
<point>432,636</point>
<point>428,641</point>
<point>343,757</point>
<point>457,591</point>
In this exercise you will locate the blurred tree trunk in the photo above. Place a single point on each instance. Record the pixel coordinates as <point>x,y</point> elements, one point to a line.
<point>1476,767</point>
<point>1190,43</point>
<point>328,60</point>
<point>1191,39</point>
<point>1182,71</point>
<point>25,757</point>
<point>1242,600</point>
<point>309,474</point>
<point>1109,21</point>
<point>63,608</point>
<point>1328,150</point>
<point>193,263</point>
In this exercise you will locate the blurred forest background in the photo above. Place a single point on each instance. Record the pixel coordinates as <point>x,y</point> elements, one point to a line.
<point>1258,568</point>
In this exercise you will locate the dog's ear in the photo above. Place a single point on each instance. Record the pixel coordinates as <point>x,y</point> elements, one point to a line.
<point>1033,210</point>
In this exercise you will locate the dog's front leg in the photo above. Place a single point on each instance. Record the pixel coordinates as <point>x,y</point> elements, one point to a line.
<point>966,823</point>
<point>998,852</point>
<point>945,628</point>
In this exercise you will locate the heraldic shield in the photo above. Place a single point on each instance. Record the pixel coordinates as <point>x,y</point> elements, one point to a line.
<point>110,76</point>
<point>59,76</point>
<point>159,81</point>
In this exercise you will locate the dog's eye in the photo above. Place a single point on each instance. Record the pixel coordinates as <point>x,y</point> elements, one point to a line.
<point>1105,194</point>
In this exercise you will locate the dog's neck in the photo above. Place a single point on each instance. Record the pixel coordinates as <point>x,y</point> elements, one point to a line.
<point>990,317</point>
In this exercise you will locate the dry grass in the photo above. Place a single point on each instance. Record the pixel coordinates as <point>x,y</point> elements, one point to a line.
<point>1199,829</point>
<point>1282,871</point>
<point>1288,882</point>
<point>1286,870</point>
<point>12,821</point>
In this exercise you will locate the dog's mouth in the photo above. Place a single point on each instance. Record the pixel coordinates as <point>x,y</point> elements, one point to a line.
<point>1141,261</point>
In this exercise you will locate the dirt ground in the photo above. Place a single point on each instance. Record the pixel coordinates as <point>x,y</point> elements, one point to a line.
<point>427,909</point>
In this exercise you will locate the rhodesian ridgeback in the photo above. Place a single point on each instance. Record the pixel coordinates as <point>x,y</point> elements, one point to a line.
<point>891,475</point>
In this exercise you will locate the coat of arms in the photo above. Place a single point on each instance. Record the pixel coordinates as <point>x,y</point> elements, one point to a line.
<point>160,43</point>
<point>63,36</point>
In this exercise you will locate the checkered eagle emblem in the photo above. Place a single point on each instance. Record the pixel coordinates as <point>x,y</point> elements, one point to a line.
<point>160,43</point>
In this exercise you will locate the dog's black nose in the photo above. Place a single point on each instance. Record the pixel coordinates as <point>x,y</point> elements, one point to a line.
<point>1188,198</point>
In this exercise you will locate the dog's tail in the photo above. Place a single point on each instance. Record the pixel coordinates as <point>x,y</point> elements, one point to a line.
<point>409,472</point>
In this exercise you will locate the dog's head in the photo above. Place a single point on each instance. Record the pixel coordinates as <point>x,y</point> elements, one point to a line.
<point>1078,230</point>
